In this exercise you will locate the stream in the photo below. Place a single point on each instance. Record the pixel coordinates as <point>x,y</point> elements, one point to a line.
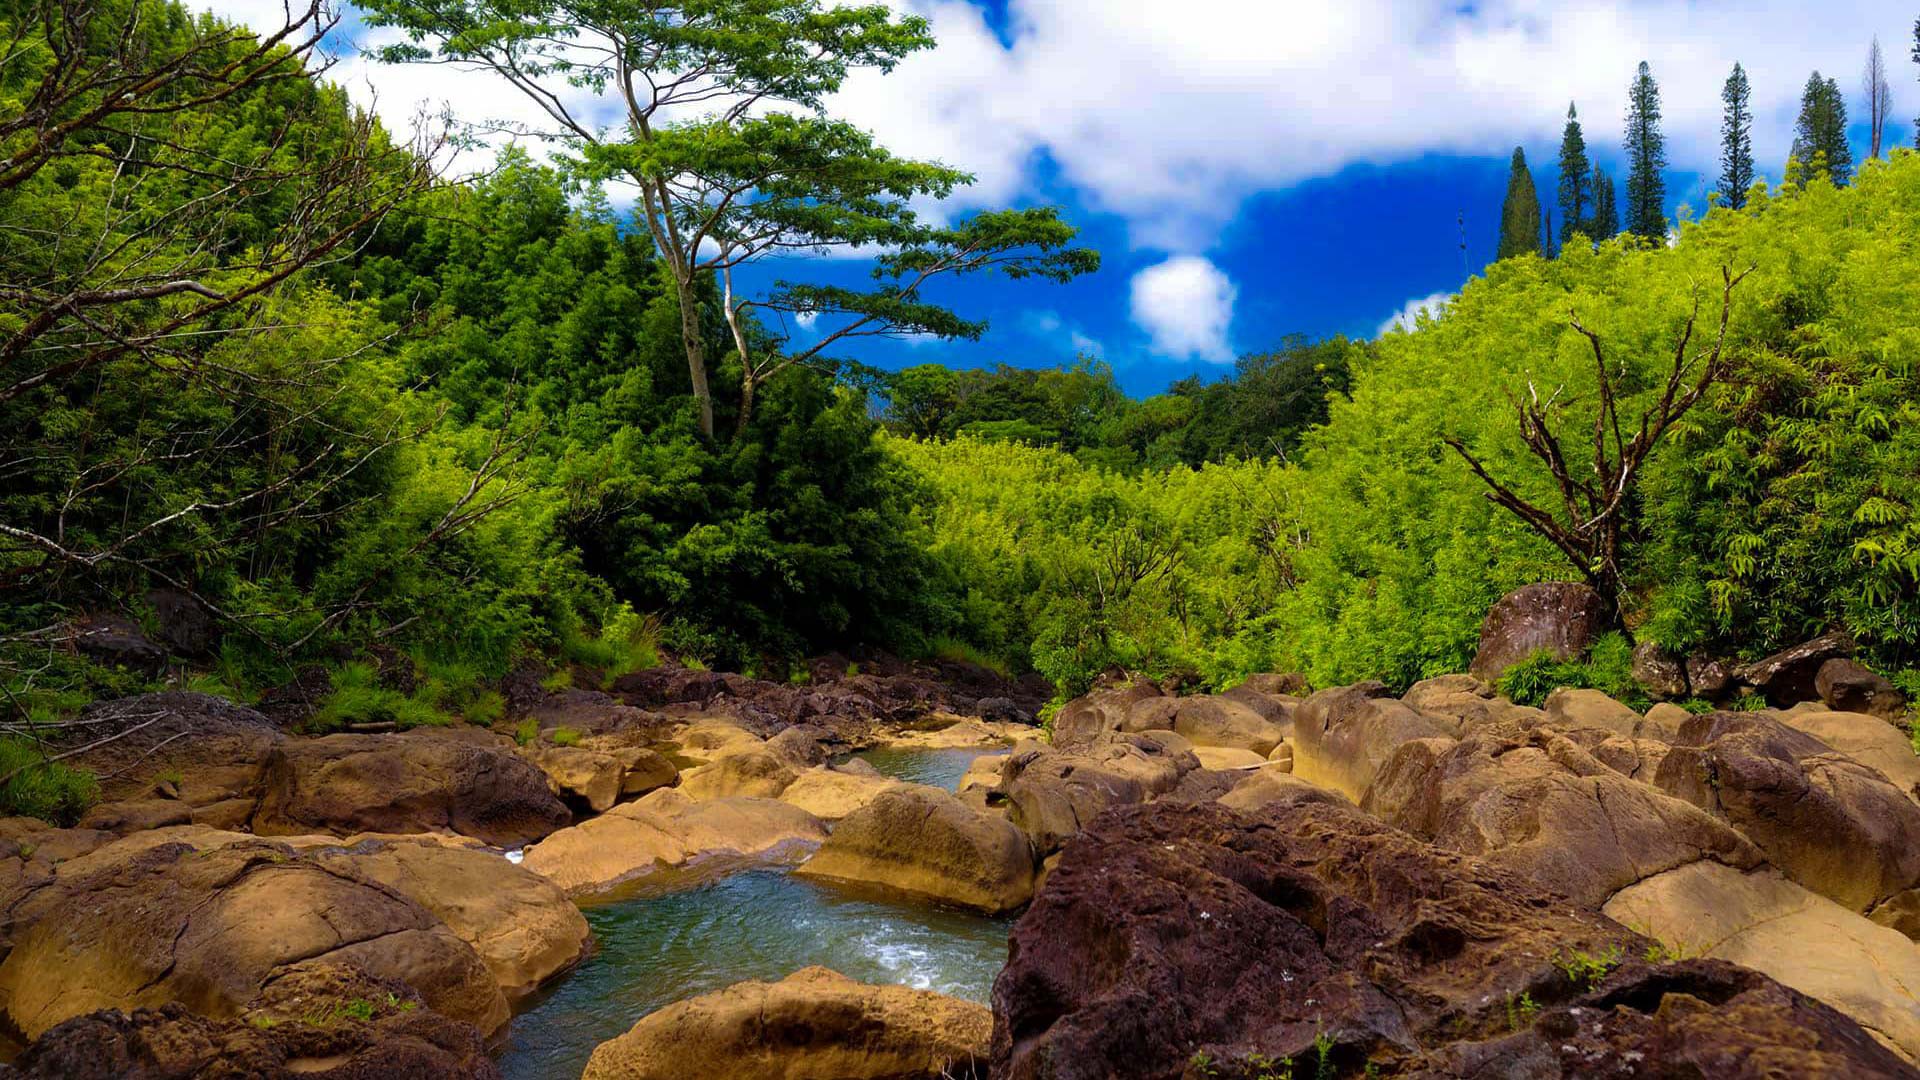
<point>667,942</point>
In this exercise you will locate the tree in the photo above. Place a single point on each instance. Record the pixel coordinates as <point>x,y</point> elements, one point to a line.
<point>1916,59</point>
<point>726,137</point>
<point>1520,212</point>
<point>1736,139</point>
<point>1646,159</point>
<point>1879,97</point>
<point>1606,211</point>
<point>1590,523</point>
<point>1820,134</point>
<point>1576,181</point>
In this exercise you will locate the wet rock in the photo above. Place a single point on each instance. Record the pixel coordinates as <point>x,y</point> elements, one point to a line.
<point>416,782</point>
<point>813,1023</point>
<point>926,842</point>
<point>1847,686</point>
<point>1791,676</point>
<point>666,829</point>
<point>1830,823</point>
<point>330,1021</point>
<point>209,928</point>
<point>1341,737</point>
<point>1173,929</point>
<point>1561,617</point>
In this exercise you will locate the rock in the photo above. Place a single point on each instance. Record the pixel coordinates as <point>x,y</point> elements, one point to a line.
<point>1660,673</point>
<point>1827,821</point>
<point>1228,759</point>
<point>415,782</point>
<point>831,794</point>
<point>111,639</point>
<point>813,1023</point>
<point>1208,721</point>
<point>983,773</point>
<point>1570,709</point>
<point>1272,784</point>
<point>1847,686</point>
<point>644,770</point>
<point>1341,737</point>
<point>1177,929</point>
<point>209,748</point>
<point>708,740</point>
<point>755,773</point>
<point>1458,696</point>
<point>1543,808</point>
<point>322,1020</point>
<point>1051,796</point>
<point>1663,722</point>
<point>121,818</point>
<point>1560,617</point>
<point>1774,926</point>
<point>1711,678</point>
<point>1290,684</point>
<point>1791,676</point>
<point>589,776</point>
<point>667,829</point>
<point>1089,715</point>
<point>928,843</point>
<point>522,925</point>
<point>1276,709</point>
<point>185,624</point>
<point>210,928</point>
<point>1282,756</point>
<point>1866,739</point>
<point>800,746</point>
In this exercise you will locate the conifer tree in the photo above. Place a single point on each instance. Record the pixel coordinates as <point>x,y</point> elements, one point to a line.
<point>1916,59</point>
<point>1820,135</point>
<point>1606,213</point>
<point>1879,98</point>
<point>1736,139</point>
<point>1576,181</point>
<point>1520,213</point>
<point>1646,159</point>
<point>1546,234</point>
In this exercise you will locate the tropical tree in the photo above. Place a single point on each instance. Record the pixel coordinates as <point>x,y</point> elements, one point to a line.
<point>1646,159</point>
<point>724,134</point>
<point>1606,211</point>
<point>1520,211</point>
<point>1736,139</point>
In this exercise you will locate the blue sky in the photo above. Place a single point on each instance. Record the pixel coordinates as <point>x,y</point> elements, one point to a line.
<point>1251,169</point>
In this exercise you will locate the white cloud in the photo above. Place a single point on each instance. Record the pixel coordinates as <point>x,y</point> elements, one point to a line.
<point>1185,305</point>
<point>1408,317</point>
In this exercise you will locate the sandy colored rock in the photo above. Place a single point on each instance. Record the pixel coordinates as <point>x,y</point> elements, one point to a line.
<point>1079,721</point>
<point>1448,695</point>
<point>1227,758</point>
<point>644,769</point>
<point>1051,795</point>
<point>813,1025</point>
<point>416,782</point>
<point>1567,708</point>
<point>1271,784</point>
<point>1762,920</point>
<point>587,775</point>
<point>1663,722</point>
<point>928,843</point>
<point>831,794</point>
<point>523,926</point>
<point>667,829</point>
<point>121,818</point>
<point>754,772</point>
<point>962,733</point>
<point>708,739</point>
<point>1207,721</point>
<point>1341,737</point>
<point>1866,739</point>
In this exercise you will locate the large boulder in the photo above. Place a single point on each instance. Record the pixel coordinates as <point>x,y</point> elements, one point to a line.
<point>1560,617</point>
<point>1829,822</point>
<point>928,843</point>
<point>1569,709</point>
<point>1080,720</point>
<point>1761,920</point>
<point>1848,686</point>
<point>1660,673</point>
<point>831,794</point>
<point>1540,805</point>
<point>1457,696</point>
<point>522,925</point>
<point>1052,795</point>
<point>197,748</point>
<point>210,927</point>
<point>1866,739</point>
<point>1342,737</point>
<point>1792,675</point>
<point>1208,721</point>
<point>664,830</point>
<point>417,782</point>
<point>591,777</point>
<point>812,1025</point>
<point>331,1021</point>
<point>753,772</point>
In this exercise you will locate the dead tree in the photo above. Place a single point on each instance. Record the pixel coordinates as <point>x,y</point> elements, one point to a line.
<point>1590,521</point>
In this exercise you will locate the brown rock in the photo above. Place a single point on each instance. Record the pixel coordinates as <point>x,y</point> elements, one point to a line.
<point>1273,784</point>
<point>814,1023</point>
<point>1711,678</point>
<point>1569,709</point>
<point>832,794</point>
<point>1050,795</point>
<point>1089,715</point>
<point>667,829</point>
<point>926,842</point>
<point>1458,696</point>
<point>587,775</point>
<point>1341,737</point>
<point>1208,721</point>
<point>1791,676</point>
<point>121,818</point>
<point>1561,617</point>
<point>1660,673</point>
<point>754,773</point>
<point>1866,739</point>
<point>1848,686</point>
<point>417,782</point>
<point>1289,684</point>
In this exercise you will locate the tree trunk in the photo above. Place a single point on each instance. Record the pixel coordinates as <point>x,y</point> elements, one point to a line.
<point>747,387</point>
<point>696,353</point>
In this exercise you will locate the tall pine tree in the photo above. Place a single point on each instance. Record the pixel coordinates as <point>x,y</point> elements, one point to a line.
<point>1520,214</point>
<point>1576,183</point>
<point>1606,214</point>
<point>1916,59</point>
<point>1646,159</point>
<point>1736,139</point>
<point>1820,135</point>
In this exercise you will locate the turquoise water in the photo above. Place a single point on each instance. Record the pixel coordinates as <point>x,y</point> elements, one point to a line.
<point>675,943</point>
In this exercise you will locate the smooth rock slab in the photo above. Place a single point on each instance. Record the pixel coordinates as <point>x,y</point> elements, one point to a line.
<point>666,829</point>
<point>924,841</point>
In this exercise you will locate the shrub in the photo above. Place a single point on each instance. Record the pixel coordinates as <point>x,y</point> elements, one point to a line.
<point>527,733</point>
<point>357,698</point>
<point>565,736</point>
<point>1608,668</point>
<point>52,792</point>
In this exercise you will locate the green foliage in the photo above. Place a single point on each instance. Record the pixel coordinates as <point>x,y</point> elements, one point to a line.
<point>565,736</point>
<point>1521,1012</point>
<point>527,732</point>
<point>1608,668</point>
<point>1820,134</point>
<point>358,698</point>
<point>1587,970</point>
<point>1576,180</point>
<point>40,789</point>
<point>1736,139</point>
<point>1520,212</point>
<point>1646,159</point>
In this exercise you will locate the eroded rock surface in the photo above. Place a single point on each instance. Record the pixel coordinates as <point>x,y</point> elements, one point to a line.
<point>667,829</point>
<point>927,842</point>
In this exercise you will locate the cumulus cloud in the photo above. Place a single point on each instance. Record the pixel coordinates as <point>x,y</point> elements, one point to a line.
<point>1408,317</point>
<point>1185,305</point>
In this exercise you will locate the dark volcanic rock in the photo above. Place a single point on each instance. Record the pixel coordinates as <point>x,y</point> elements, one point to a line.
<point>1562,617</point>
<point>1174,934</point>
<point>1848,686</point>
<point>111,639</point>
<point>1660,673</point>
<point>186,626</point>
<point>1791,676</point>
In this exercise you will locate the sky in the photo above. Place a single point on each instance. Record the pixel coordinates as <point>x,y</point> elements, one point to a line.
<point>1252,169</point>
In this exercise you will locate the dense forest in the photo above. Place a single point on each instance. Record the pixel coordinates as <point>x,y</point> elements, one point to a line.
<point>260,368</point>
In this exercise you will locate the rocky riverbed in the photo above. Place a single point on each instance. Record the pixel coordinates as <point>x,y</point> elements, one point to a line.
<point>695,874</point>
